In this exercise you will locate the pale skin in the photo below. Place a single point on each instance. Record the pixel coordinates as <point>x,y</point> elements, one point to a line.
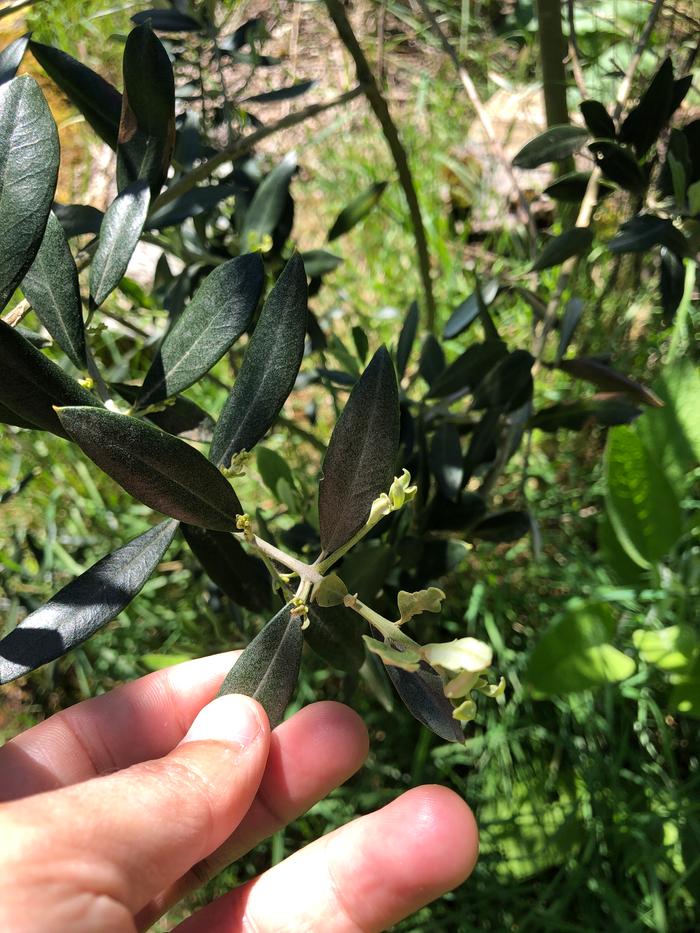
<point>107,807</point>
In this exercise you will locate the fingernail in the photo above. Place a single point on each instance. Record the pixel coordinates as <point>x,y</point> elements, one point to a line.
<point>233,719</point>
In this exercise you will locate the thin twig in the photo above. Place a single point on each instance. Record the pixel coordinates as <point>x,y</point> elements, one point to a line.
<point>575,52</point>
<point>379,105</point>
<point>483,115</point>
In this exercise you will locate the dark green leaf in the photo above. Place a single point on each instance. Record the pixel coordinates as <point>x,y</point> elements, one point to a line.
<point>269,368</point>
<point>569,323</point>
<point>508,385</point>
<point>457,517</point>
<point>119,234</point>
<point>268,204</point>
<point>335,634</point>
<point>217,315</point>
<point>268,669</point>
<point>608,411</point>
<point>180,416</point>
<point>31,384</point>
<point>361,341</point>
<point>572,187</point>
<point>147,123</point>
<point>407,338</point>
<point>468,311</point>
<point>361,457</point>
<point>432,359</point>
<point>574,242</point>
<point>681,86</point>
<point>11,58</point>
<point>423,695</point>
<point>190,204</point>
<point>241,576</point>
<point>282,93</point>
<point>10,417</point>
<point>160,470</point>
<point>671,282</point>
<point>642,505</point>
<point>608,379</point>
<point>483,443</point>
<point>554,145</point>
<point>318,262</point>
<point>644,231</point>
<point>366,568</point>
<point>29,155</point>
<point>51,287</point>
<point>78,219</point>
<point>446,460</point>
<point>508,525</point>
<point>643,124</point>
<point>98,101</point>
<point>83,606</point>
<point>273,468</point>
<point>619,165</point>
<point>467,371</point>
<point>597,119</point>
<point>357,210</point>
<point>166,21</point>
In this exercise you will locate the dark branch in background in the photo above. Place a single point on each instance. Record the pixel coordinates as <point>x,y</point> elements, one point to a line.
<point>575,52</point>
<point>552,51</point>
<point>381,110</point>
<point>524,212</point>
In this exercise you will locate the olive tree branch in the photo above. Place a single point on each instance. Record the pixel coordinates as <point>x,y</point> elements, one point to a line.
<point>379,105</point>
<point>305,571</point>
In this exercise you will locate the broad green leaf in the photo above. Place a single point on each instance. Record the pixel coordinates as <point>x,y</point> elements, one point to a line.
<point>432,359</point>
<point>78,219</point>
<point>574,242</point>
<point>469,369</point>
<point>281,93</point>
<point>98,101</point>
<point>357,210</point>
<point>83,606</point>
<point>29,154</point>
<point>554,145</point>
<point>220,311</point>
<point>642,505</point>
<point>11,58</point>
<point>147,123</point>
<point>644,231</point>
<point>670,649</point>
<point>268,669</point>
<point>318,262</point>
<point>597,119</point>
<point>685,695</point>
<point>407,338</point>
<point>160,470</point>
<point>619,165</point>
<point>508,525</point>
<point>269,368</point>
<point>361,457</point>
<point>335,634</point>
<point>643,124</point>
<point>190,204</point>
<point>31,384</point>
<point>267,207</point>
<point>614,557</point>
<point>166,21</point>
<point>469,310</point>
<point>423,695</point>
<point>608,379</point>
<point>576,654</point>
<point>119,234</point>
<point>241,576</point>
<point>331,591</point>
<point>412,604</point>
<point>446,460</point>
<point>508,384</point>
<point>406,659</point>
<point>51,288</point>
<point>609,411</point>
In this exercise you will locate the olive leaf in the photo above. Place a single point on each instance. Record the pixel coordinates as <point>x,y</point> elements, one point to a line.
<point>619,165</point>
<point>643,231</point>
<point>468,370</point>
<point>508,385</point>
<point>32,384</point>
<point>11,58</point>
<point>192,203</point>
<point>597,119</point>
<point>331,591</point>
<point>554,145</point>
<point>29,155</point>
<point>83,606</point>
<point>406,339</point>
<point>119,234</point>
<point>268,204</point>
<point>217,315</point>
<point>507,525</point>
<point>357,210</point>
<point>51,288</point>
<point>609,410</point>
<point>462,654</point>
<point>241,576</point>
<point>281,93</point>
<point>335,634</point>
<point>166,21</point>
<point>160,470</point>
<point>609,379</point>
<point>405,658</point>
<point>361,457</point>
<point>423,695</point>
<point>432,360</point>
<point>412,604</point>
<point>269,368</point>
<point>98,101</point>
<point>469,310</point>
<point>574,242</point>
<point>446,460</point>
<point>642,125</point>
<point>147,123</point>
<point>268,669</point>
<point>77,219</point>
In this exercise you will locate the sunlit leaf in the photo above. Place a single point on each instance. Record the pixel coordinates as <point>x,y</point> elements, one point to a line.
<point>119,234</point>
<point>357,210</point>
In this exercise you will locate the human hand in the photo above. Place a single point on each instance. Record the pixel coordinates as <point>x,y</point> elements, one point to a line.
<point>115,808</point>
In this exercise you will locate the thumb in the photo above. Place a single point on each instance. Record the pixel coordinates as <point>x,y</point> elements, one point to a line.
<point>138,830</point>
